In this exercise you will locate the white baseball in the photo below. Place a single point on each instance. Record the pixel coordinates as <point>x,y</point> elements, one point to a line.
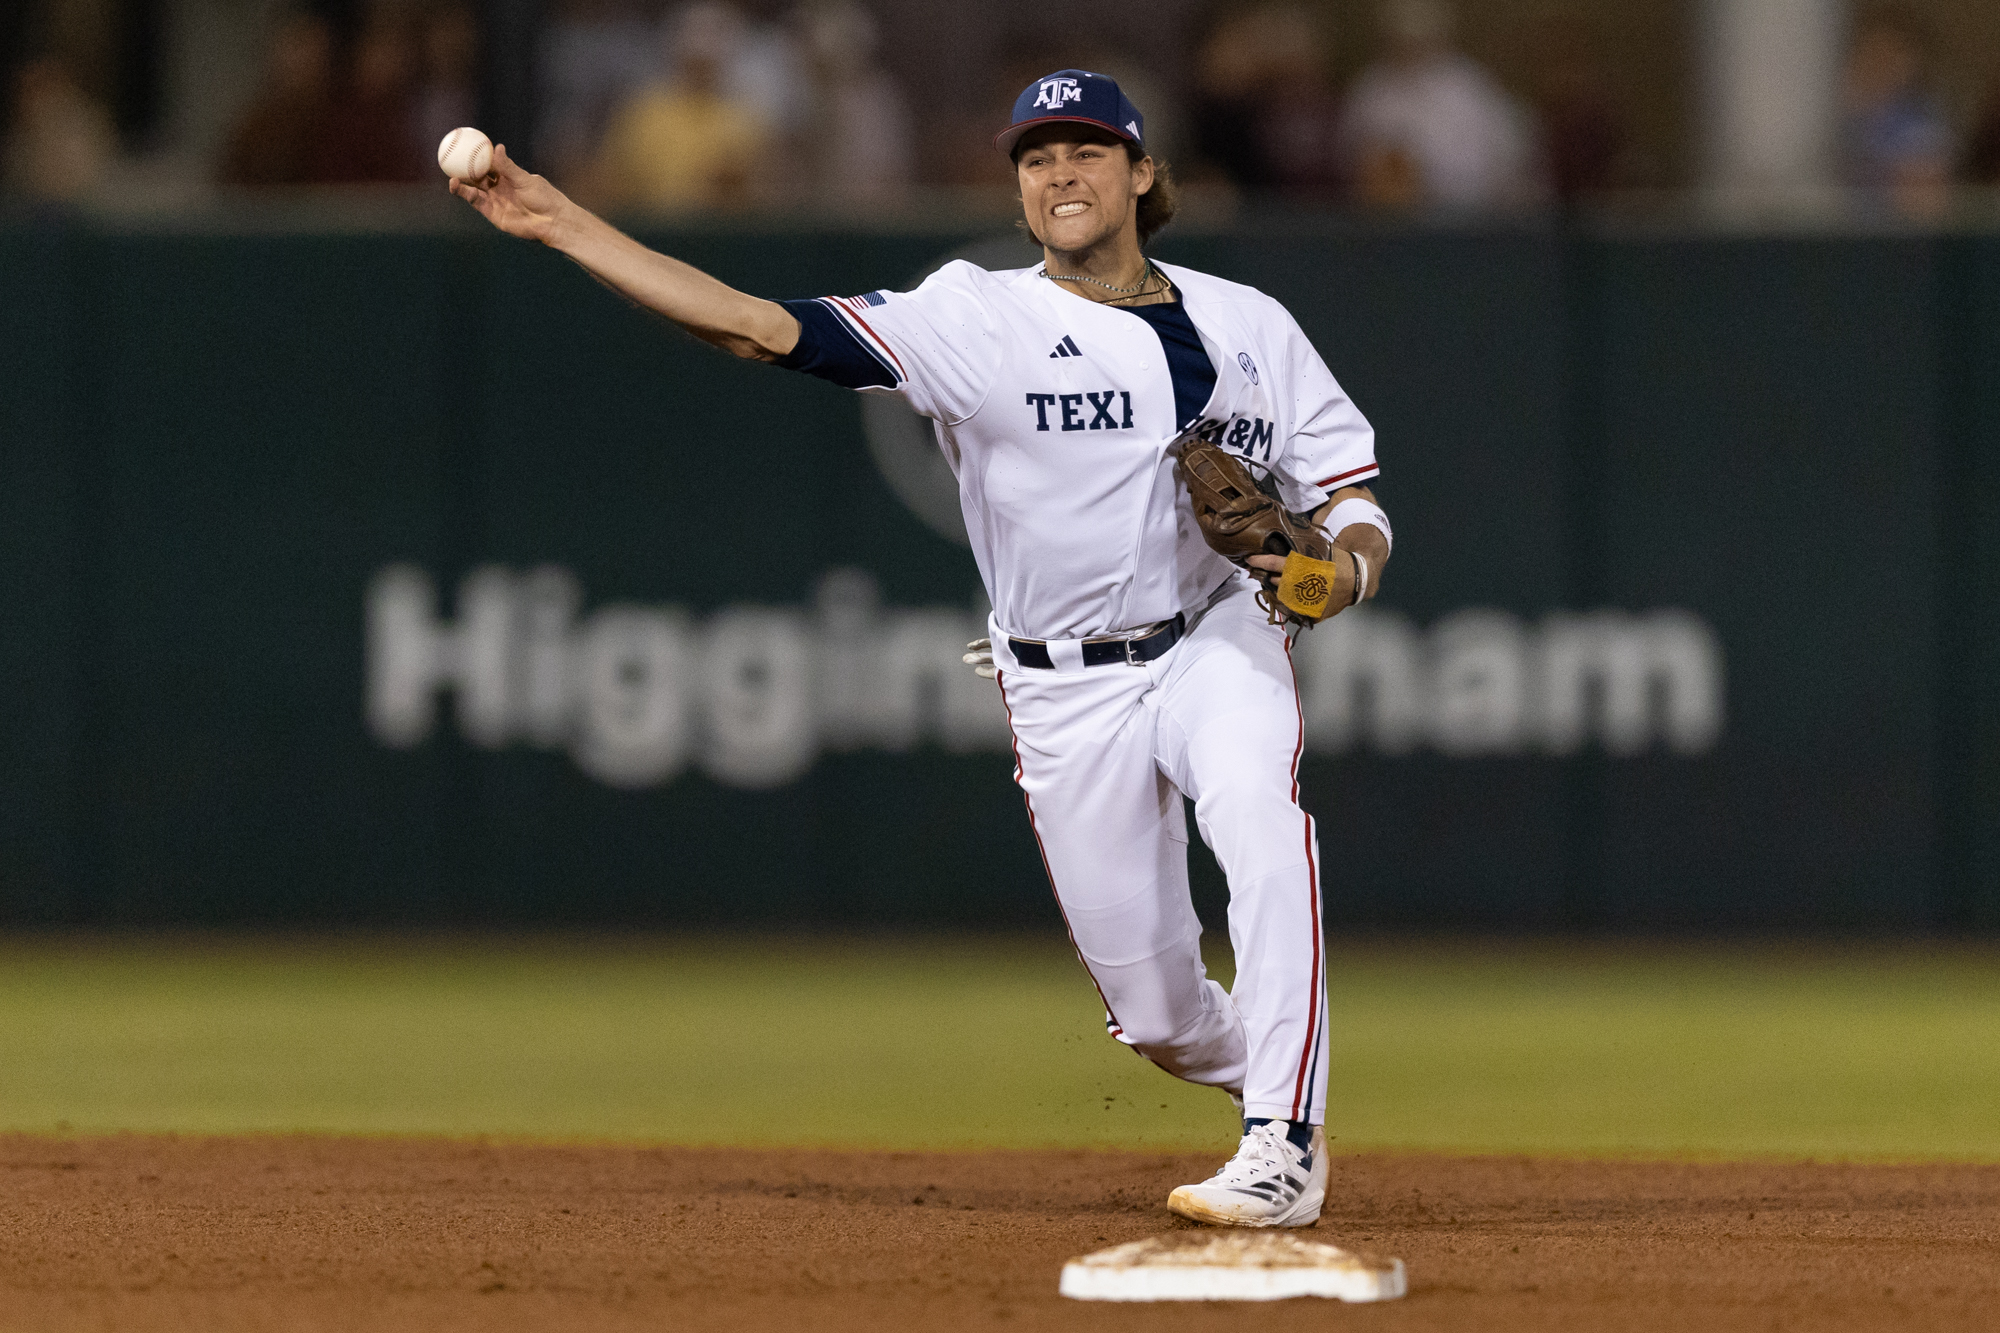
<point>466,155</point>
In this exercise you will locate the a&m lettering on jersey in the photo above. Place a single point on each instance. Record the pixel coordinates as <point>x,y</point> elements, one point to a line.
<point>1110,410</point>
<point>1249,436</point>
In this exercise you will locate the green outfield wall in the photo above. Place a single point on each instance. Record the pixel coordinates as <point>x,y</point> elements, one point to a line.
<point>355,579</point>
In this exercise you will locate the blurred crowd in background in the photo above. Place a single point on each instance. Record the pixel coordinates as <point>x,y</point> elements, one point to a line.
<point>728,104</point>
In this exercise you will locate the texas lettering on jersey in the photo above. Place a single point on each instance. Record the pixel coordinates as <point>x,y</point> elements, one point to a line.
<point>1103,412</point>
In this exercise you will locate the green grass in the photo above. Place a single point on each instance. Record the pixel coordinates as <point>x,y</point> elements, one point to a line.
<point>918,1043</point>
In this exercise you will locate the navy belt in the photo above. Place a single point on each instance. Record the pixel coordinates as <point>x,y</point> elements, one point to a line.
<point>1105,652</point>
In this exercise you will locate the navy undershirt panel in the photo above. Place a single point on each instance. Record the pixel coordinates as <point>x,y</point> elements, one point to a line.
<point>1187,360</point>
<point>828,348</point>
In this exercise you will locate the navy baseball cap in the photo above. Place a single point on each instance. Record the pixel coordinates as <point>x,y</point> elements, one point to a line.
<point>1073,95</point>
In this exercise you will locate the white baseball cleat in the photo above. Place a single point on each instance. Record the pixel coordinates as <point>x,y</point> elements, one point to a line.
<point>1268,1183</point>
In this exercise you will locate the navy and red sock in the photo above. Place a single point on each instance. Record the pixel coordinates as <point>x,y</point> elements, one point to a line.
<point>1297,1132</point>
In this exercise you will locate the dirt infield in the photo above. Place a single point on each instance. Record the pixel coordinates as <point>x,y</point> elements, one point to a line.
<point>302,1234</point>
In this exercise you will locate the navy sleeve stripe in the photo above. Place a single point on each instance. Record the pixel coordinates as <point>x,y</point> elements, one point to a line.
<point>849,309</point>
<point>830,349</point>
<point>861,333</point>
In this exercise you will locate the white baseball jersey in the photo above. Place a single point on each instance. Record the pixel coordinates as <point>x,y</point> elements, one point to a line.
<point>1054,412</point>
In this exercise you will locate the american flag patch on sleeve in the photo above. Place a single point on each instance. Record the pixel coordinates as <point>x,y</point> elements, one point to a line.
<point>849,309</point>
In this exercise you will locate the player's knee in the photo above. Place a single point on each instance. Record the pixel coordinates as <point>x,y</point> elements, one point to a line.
<point>1147,1034</point>
<point>1254,838</point>
<point>1156,1029</point>
<point>1251,812</point>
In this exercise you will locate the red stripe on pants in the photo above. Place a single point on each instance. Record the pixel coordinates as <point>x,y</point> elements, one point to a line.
<point>1300,1093</point>
<point>1000,678</point>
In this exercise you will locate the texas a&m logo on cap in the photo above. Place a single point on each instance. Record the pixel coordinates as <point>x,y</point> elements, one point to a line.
<point>1057,93</point>
<point>1073,95</point>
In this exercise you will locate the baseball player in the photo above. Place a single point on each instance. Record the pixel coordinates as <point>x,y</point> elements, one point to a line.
<point>1140,637</point>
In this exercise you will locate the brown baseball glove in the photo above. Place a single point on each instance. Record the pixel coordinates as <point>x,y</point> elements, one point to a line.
<point>1241,517</point>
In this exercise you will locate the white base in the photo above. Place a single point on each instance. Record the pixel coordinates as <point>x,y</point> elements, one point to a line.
<point>1230,1266</point>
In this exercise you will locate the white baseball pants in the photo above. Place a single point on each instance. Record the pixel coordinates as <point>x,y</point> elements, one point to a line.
<point>1104,755</point>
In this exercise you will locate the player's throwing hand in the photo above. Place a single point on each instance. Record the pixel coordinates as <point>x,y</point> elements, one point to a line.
<point>518,202</point>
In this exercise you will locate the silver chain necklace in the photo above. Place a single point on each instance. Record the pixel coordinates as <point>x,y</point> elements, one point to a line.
<point>1144,278</point>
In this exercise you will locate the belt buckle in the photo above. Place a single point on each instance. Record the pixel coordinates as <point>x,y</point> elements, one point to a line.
<point>1132,657</point>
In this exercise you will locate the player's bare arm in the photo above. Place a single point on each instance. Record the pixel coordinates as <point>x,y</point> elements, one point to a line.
<point>1363,539</point>
<point>523,204</point>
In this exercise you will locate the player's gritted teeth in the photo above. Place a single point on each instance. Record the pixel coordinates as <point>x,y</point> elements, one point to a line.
<point>1069,209</point>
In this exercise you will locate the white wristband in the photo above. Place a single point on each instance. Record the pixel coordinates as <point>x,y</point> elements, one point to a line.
<point>1353,510</point>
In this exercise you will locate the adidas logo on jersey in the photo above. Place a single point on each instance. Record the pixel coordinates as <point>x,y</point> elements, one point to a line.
<point>1067,347</point>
